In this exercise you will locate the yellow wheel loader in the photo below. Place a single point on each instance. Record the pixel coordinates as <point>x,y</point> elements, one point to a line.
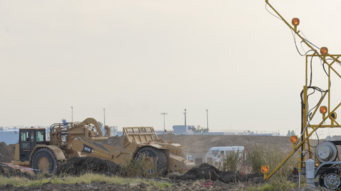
<point>81,139</point>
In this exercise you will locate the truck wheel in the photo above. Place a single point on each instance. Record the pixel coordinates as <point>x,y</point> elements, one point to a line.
<point>45,161</point>
<point>151,154</point>
<point>330,179</point>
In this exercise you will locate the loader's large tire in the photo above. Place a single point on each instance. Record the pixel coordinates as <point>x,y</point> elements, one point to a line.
<point>45,161</point>
<point>152,153</point>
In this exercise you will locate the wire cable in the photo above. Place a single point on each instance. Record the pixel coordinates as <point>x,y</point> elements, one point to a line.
<point>271,13</point>
<point>311,74</point>
<point>293,36</point>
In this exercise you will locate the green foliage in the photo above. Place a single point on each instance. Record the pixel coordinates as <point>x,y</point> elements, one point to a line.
<point>200,129</point>
<point>271,155</point>
<point>229,162</point>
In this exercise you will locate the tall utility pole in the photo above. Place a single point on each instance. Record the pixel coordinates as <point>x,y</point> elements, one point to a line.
<point>72,114</point>
<point>207,117</point>
<point>164,120</point>
<point>185,118</point>
<point>104,116</point>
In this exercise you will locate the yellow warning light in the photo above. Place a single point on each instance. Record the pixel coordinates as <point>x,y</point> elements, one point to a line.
<point>323,109</point>
<point>265,169</point>
<point>324,50</point>
<point>293,139</point>
<point>295,21</point>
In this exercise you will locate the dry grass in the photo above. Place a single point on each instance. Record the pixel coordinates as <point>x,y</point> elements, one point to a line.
<point>272,155</point>
<point>229,162</point>
<point>86,178</point>
<point>275,184</point>
<point>136,168</point>
<point>258,155</point>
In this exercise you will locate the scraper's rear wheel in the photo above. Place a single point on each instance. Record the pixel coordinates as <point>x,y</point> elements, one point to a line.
<point>150,156</point>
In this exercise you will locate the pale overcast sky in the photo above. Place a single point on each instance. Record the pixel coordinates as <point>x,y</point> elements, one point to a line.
<point>140,58</point>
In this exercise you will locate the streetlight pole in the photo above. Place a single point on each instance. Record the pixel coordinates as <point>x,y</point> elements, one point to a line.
<point>72,114</point>
<point>185,119</point>
<point>207,117</point>
<point>164,120</point>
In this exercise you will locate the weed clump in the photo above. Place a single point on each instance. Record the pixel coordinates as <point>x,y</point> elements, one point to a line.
<point>230,162</point>
<point>138,167</point>
<point>272,156</point>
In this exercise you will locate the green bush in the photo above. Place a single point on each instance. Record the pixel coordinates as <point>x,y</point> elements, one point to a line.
<point>273,155</point>
<point>229,162</point>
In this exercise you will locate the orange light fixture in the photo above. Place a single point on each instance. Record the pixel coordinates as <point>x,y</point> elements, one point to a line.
<point>265,169</point>
<point>323,109</point>
<point>293,139</point>
<point>324,50</point>
<point>295,21</point>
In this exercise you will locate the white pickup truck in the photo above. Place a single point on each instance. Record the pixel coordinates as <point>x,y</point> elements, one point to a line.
<point>215,154</point>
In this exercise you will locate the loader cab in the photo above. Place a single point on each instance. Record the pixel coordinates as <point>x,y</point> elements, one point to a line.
<point>28,139</point>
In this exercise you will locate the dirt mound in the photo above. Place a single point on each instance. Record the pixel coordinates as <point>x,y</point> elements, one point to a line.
<point>208,172</point>
<point>6,152</point>
<point>204,171</point>
<point>10,172</point>
<point>80,165</point>
<point>236,177</point>
<point>115,141</point>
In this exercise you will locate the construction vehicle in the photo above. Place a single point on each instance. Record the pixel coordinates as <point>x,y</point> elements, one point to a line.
<point>326,170</point>
<point>81,139</point>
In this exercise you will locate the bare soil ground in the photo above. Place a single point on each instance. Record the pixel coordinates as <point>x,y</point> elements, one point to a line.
<point>200,144</point>
<point>195,144</point>
<point>6,152</point>
<point>203,177</point>
<point>202,185</point>
<point>11,172</point>
<point>199,178</point>
<point>99,186</point>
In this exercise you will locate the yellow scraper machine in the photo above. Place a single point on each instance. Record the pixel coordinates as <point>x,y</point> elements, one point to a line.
<point>79,139</point>
<point>326,170</point>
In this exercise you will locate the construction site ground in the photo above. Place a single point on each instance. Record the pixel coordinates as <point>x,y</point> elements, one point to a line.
<point>200,144</point>
<point>198,178</point>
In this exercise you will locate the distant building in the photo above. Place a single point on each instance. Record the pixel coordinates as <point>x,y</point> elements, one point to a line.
<point>182,129</point>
